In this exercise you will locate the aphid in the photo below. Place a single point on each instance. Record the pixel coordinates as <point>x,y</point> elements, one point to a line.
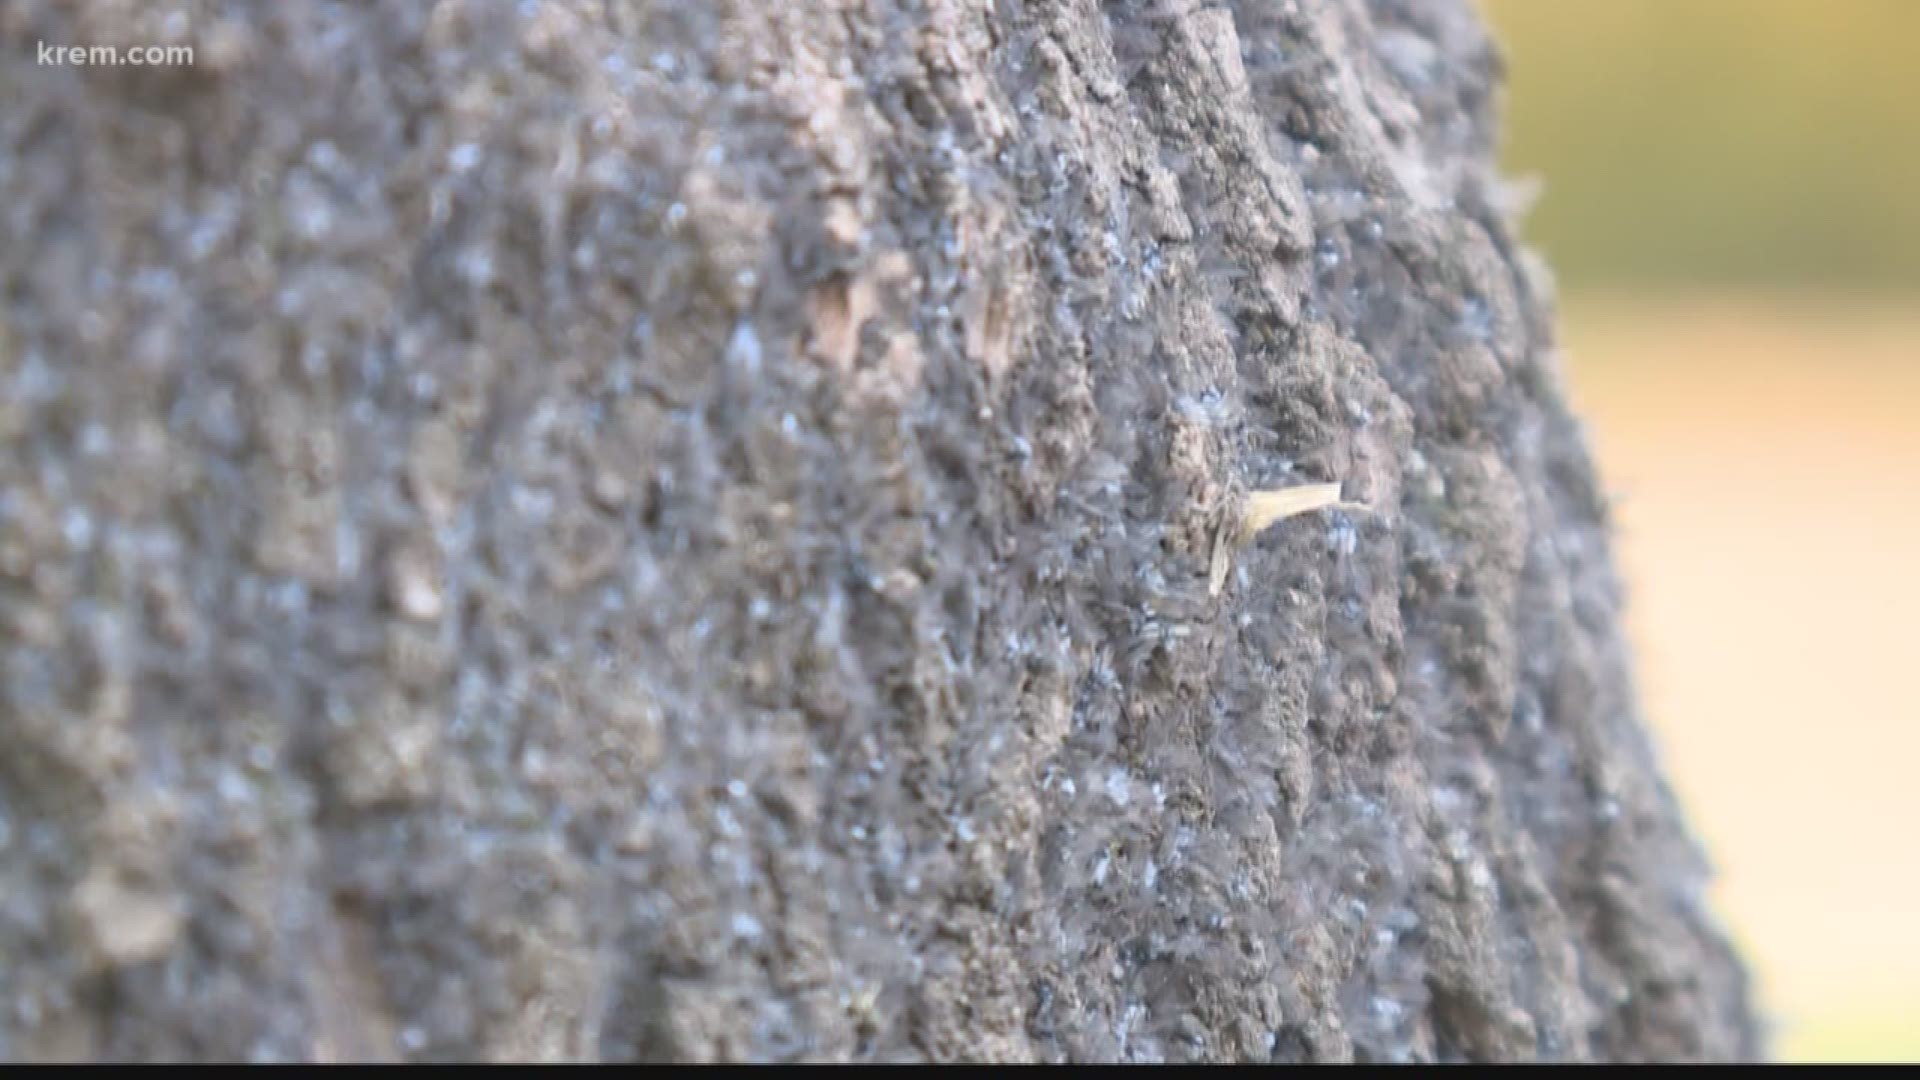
<point>1261,509</point>
<point>1151,634</point>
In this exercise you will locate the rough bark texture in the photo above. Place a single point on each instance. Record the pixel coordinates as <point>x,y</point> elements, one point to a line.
<point>684,530</point>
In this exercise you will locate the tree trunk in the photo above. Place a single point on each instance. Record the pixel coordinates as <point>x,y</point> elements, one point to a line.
<point>739,530</point>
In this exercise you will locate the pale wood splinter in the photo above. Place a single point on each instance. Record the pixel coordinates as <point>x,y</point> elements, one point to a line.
<point>1262,509</point>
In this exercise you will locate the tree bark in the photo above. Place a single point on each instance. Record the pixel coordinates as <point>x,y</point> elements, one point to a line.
<point>718,531</point>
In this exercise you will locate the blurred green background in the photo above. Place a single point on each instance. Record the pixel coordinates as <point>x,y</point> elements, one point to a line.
<point>1720,142</point>
<point>1731,204</point>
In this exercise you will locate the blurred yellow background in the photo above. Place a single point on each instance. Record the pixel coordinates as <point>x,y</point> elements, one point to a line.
<point>1732,207</point>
